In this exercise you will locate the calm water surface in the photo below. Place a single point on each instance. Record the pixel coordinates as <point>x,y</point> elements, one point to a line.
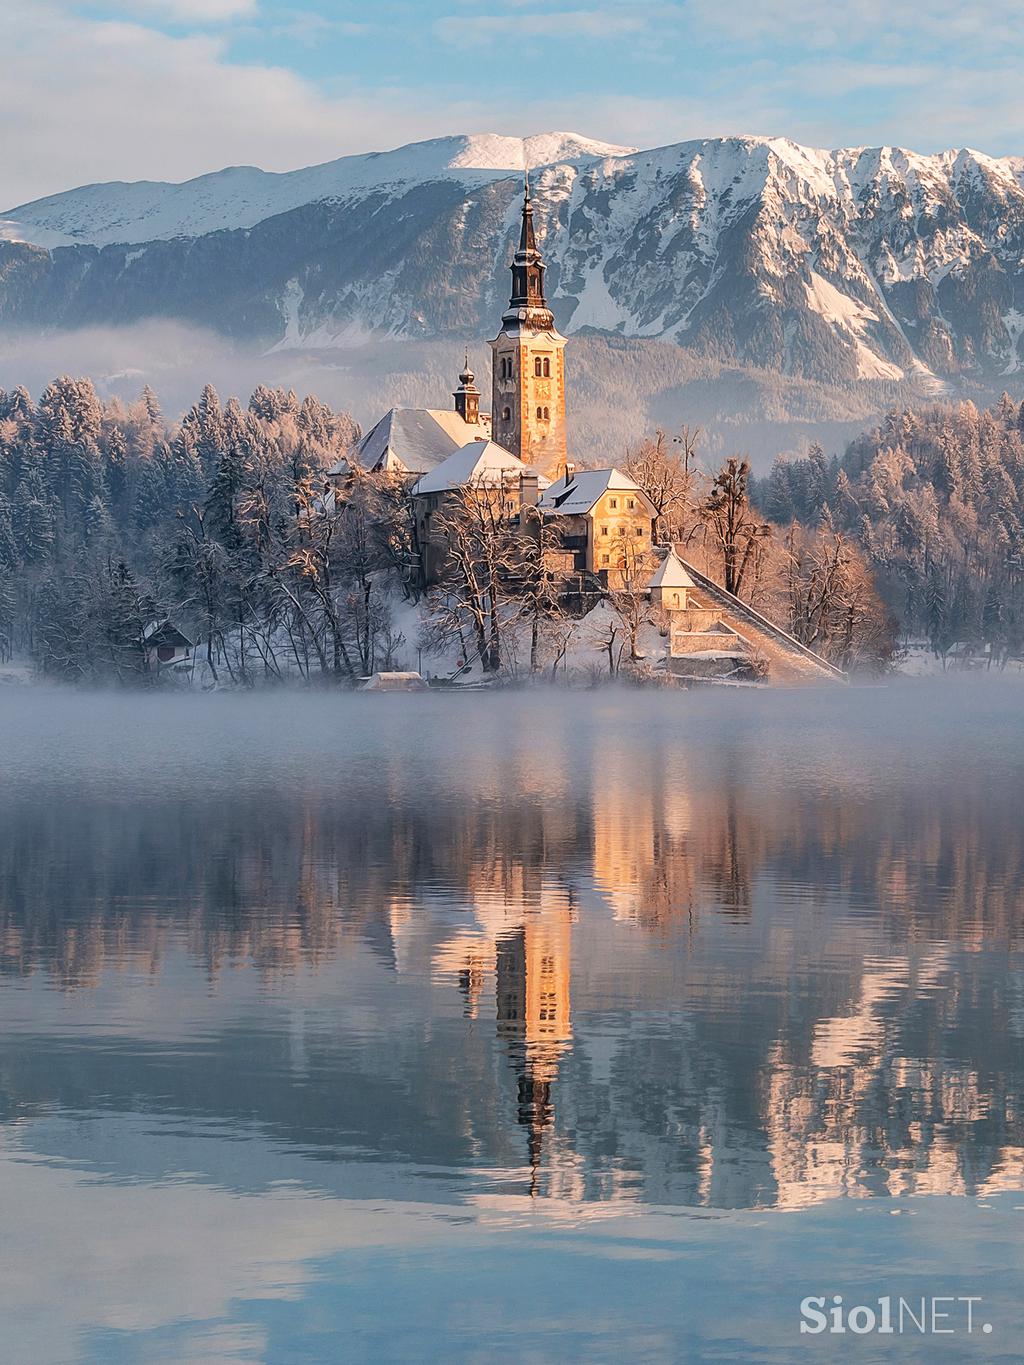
<point>571,1028</point>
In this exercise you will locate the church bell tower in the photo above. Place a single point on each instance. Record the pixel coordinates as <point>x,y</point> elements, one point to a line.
<point>528,364</point>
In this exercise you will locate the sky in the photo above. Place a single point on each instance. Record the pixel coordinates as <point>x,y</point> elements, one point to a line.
<point>167,89</point>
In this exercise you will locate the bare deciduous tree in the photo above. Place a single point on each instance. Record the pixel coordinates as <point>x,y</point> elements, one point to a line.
<point>666,469</point>
<point>736,532</point>
<point>834,605</point>
<point>486,556</point>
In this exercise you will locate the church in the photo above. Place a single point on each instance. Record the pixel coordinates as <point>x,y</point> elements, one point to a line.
<point>599,523</point>
<point>527,416</point>
<point>519,451</point>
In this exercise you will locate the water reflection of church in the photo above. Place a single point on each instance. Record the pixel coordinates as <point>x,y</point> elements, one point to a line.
<point>523,947</point>
<point>532,973</point>
<point>842,1086</point>
<point>701,990</point>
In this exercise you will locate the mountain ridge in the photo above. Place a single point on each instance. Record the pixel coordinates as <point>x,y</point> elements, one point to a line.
<point>482,152</point>
<point>851,264</point>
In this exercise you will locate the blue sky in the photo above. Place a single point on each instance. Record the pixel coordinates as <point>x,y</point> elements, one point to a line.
<point>127,89</point>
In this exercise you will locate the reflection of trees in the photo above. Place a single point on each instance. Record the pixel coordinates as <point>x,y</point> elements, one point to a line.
<point>808,1001</point>
<point>86,887</point>
<point>663,844</point>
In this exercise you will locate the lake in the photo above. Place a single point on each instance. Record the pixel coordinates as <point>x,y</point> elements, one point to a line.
<point>551,1027</point>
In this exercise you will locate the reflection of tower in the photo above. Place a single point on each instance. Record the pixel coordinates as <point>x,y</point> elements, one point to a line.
<point>532,985</point>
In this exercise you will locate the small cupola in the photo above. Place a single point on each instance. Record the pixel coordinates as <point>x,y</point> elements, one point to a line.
<point>467,395</point>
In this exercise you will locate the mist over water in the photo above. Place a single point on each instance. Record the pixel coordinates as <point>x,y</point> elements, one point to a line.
<point>599,1010</point>
<point>619,391</point>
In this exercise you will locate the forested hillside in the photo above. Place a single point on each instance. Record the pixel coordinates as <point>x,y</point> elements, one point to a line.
<point>935,499</point>
<point>110,518</point>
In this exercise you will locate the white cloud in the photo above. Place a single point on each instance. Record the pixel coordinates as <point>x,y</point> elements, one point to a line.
<point>884,24</point>
<point>85,100</point>
<point>189,11</point>
<point>84,1254</point>
<point>127,102</point>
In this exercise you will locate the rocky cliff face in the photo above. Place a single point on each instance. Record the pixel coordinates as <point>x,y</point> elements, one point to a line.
<point>852,264</point>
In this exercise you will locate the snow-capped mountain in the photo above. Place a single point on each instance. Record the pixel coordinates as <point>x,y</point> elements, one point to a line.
<point>873,263</point>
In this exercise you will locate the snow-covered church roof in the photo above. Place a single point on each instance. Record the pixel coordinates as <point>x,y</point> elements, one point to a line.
<point>414,440</point>
<point>576,493</point>
<point>482,463</point>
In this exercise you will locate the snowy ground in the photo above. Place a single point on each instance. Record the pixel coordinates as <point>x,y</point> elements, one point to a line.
<point>16,672</point>
<point>920,661</point>
<point>586,655</point>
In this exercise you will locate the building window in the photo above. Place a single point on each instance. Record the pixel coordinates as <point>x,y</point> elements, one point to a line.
<point>638,530</point>
<point>547,414</point>
<point>604,559</point>
<point>614,502</point>
<point>631,503</point>
<point>506,414</point>
<point>537,368</point>
<point>604,530</point>
<point>622,530</point>
<point>547,368</point>
<point>540,414</point>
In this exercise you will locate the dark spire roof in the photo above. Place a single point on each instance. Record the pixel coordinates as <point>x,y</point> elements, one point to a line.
<point>527,237</point>
<point>528,272</point>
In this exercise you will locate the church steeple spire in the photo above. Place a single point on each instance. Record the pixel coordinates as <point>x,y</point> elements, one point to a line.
<point>528,272</point>
<point>527,239</point>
